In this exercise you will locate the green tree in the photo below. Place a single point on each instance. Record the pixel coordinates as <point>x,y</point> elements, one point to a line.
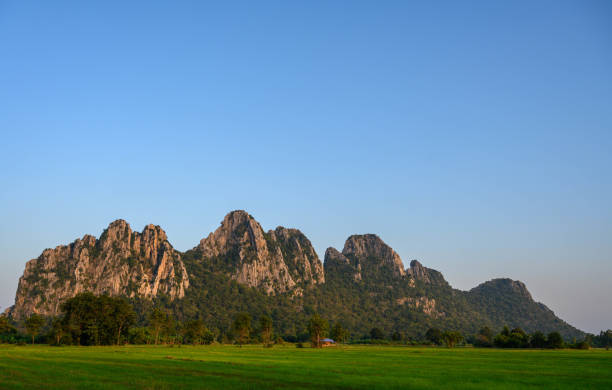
<point>33,324</point>
<point>518,339</point>
<point>194,331</point>
<point>452,338</point>
<point>554,340</point>
<point>376,334</point>
<point>96,320</point>
<point>57,330</point>
<point>538,340</point>
<point>242,328</point>
<point>123,317</point>
<point>484,338</point>
<point>5,325</point>
<point>317,327</point>
<point>434,335</point>
<point>157,320</point>
<point>605,339</point>
<point>265,328</point>
<point>338,333</point>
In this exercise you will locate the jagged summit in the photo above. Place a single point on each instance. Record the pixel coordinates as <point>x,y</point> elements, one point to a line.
<point>373,254</point>
<point>278,261</point>
<point>121,262</point>
<point>426,275</point>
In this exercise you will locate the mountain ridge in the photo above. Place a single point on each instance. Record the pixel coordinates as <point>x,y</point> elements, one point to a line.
<point>281,269</point>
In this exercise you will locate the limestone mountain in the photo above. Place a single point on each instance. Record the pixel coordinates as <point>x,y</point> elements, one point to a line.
<point>242,268</point>
<point>120,262</point>
<point>505,300</point>
<point>278,261</point>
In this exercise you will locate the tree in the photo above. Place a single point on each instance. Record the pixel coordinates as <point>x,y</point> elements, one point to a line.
<point>605,339</point>
<point>157,321</point>
<point>57,330</point>
<point>317,327</point>
<point>194,331</point>
<point>538,340</point>
<point>502,340</point>
<point>518,338</point>
<point>452,338</point>
<point>434,335</point>
<point>396,336</point>
<point>5,325</point>
<point>484,338</point>
<point>242,328</point>
<point>33,325</point>
<point>555,340</point>
<point>123,316</point>
<point>265,328</point>
<point>96,320</point>
<point>338,333</point>
<point>376,334</point>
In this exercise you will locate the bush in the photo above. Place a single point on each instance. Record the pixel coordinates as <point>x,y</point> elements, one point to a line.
<point>555,340</point>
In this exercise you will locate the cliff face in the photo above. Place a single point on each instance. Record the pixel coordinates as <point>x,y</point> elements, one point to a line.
<point>367,258</point>
<point>278,261</point>
<point>121,262</point>
<point>373,255</point>
<point>425,275</point>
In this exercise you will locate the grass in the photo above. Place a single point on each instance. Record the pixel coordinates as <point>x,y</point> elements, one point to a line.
<point>254,367</point>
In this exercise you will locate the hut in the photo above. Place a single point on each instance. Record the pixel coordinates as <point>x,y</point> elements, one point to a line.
<point>327,343</point>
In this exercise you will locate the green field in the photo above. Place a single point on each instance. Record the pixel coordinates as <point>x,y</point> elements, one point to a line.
<point>251,367</point>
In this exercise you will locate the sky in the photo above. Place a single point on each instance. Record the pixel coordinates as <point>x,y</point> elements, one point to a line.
<point>473,136</point>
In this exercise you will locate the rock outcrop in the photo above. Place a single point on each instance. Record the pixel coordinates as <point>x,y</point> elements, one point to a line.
<point>373,255</point>
<point>299,256</point>
<point>504,286</point>
<point>338,266</point>
<point>277,262</point>
<point>425,275</point>
<point>121,262</point>
<point>364,258</point>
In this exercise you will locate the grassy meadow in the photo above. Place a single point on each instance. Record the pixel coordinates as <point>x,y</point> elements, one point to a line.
<point>345,367</point>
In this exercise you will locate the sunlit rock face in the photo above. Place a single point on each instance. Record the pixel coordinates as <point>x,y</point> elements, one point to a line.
<point>120,262</point>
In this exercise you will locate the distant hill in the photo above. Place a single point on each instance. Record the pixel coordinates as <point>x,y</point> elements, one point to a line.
<point>240,267</point>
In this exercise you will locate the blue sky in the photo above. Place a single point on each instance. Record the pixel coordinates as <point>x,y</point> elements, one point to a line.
<point>475,137</point>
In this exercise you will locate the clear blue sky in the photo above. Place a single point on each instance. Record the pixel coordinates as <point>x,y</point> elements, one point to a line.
<point>475,137</point>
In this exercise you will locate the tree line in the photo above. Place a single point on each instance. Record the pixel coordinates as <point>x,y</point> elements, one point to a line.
<point>87,319</point>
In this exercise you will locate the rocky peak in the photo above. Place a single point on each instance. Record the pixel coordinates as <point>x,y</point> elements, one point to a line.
<point>299,255</point>
<point>121,262</point>
<point>277,261</point>
<point>505,286</point>
<point>426,275</point>
<point>371,251</point>
<point>238,229</point>
<point>338,266</point>
<point>418,272</point>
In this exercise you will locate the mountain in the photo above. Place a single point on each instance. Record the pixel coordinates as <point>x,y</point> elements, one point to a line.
<point>278,261</point>
<point>120,262</point>
<point>240,267</point>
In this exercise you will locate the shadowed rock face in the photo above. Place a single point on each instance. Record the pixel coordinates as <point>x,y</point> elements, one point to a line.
<point>121,262</point>
<point>373,255</point>
<point>426,275</point>
<point>278,261</point>
<point>505,286</point>
<point>299,255</point>
<point>339,266</point>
